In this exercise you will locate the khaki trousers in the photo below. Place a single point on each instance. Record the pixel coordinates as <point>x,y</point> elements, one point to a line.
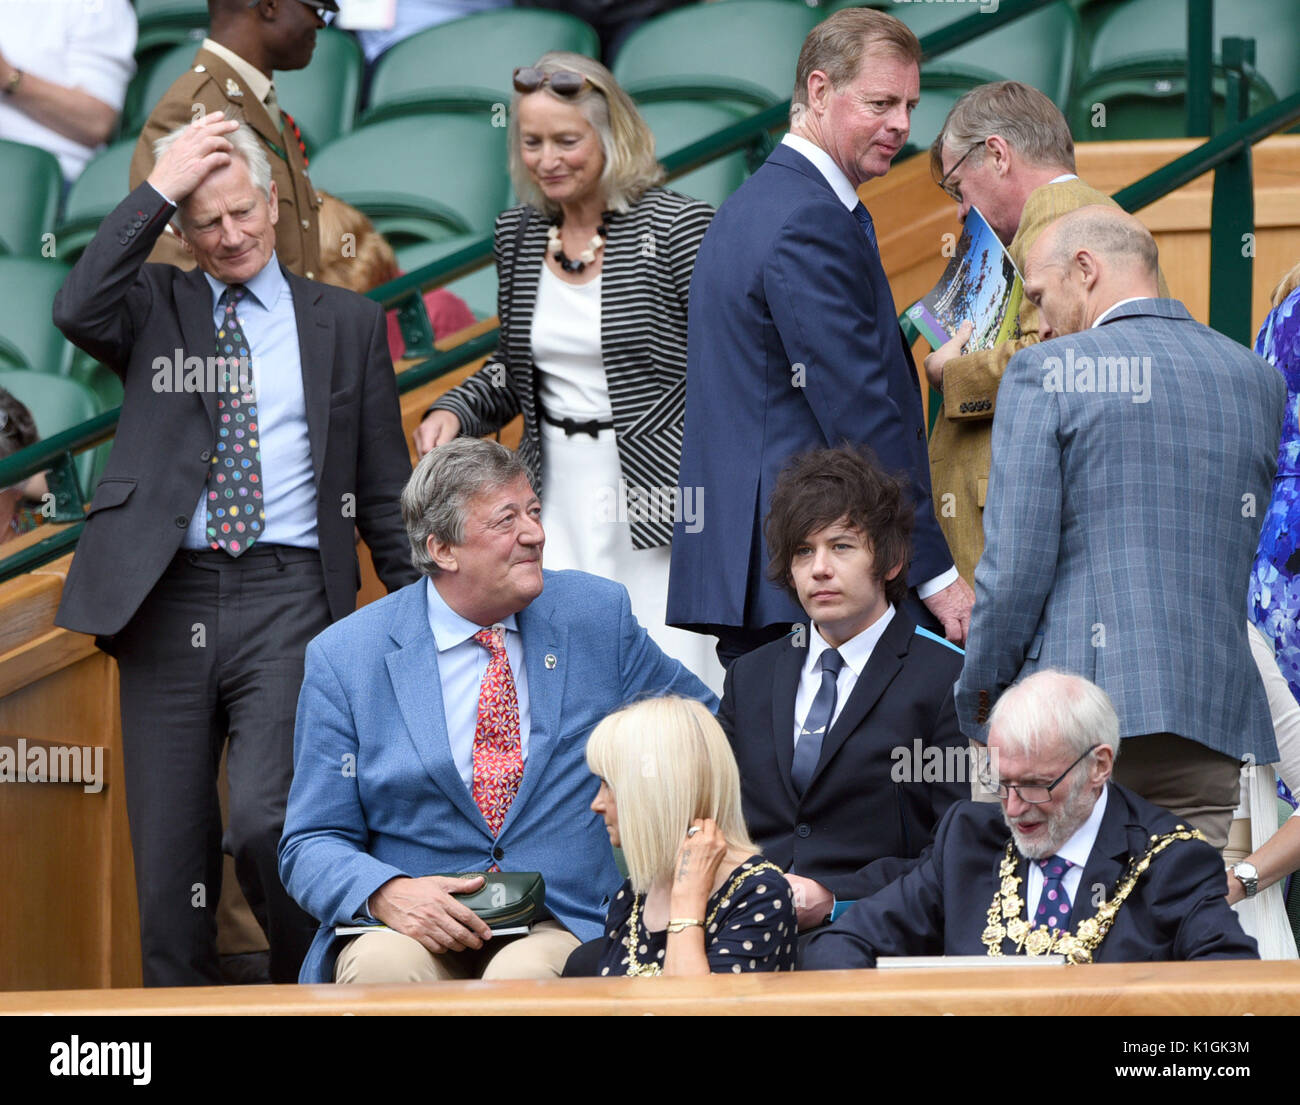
<point>1193,782</point>
<point>387,956</point>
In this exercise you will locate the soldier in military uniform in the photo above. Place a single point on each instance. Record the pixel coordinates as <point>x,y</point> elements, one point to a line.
<point>233,73</point>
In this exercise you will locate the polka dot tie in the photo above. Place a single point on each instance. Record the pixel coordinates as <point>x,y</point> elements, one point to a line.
<point>1054,903</point>
<point>236,516</point>
<point>498,756</point>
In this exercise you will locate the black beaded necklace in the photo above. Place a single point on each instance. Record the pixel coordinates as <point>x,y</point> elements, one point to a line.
<point>586,257</point>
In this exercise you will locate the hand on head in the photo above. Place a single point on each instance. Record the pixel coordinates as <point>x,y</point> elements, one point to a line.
<point>202,149</point>
<point>701,851</point>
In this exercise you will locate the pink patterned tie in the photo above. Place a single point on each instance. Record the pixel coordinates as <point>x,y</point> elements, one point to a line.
<point>498,756</point>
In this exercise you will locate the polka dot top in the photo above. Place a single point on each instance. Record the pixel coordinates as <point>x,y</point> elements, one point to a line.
<point>750,925</point>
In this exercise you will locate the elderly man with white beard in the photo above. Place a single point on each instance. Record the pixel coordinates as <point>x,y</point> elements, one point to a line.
<point>1072,863</point>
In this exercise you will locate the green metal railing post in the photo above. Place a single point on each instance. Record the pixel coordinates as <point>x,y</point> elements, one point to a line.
<point>1232,210</point>
<point>1200,74</point>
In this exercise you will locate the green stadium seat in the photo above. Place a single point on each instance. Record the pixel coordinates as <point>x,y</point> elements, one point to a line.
<point>101,187</point>
<point>466,64</point>
<point>135,110</point>
<point>420,178</point>
<point>678,123</point>
<point>938,93</point>
<point>57,403</point>
<point>29,339</point>
<point>163,23</point>
<point>742,52</point>
<point>1137,65</point>
<point>322,97</point>
<point>33,185</point>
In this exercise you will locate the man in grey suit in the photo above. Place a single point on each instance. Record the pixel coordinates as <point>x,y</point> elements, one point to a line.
<point>1131,461</point>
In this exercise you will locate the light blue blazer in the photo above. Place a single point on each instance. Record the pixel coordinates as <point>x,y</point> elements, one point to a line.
<point>376,793</point>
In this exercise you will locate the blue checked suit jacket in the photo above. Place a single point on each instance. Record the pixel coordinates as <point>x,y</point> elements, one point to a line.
<point>1119,534</point>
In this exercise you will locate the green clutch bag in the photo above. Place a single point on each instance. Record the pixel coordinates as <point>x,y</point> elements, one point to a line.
<point>506,898</point>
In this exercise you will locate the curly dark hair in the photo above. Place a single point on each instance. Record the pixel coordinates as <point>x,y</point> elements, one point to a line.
<point>17,427</point>
<point>817,489</point>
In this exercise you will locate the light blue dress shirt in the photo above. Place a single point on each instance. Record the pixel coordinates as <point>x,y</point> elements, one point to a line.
<point>462,663</point>
<point>288,479</point>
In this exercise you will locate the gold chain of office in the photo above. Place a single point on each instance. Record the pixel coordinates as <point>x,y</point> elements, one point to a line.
<point>1006,923</point>
<point>631,940</point>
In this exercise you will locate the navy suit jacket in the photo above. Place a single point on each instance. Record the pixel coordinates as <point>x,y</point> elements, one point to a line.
<point>792,344</point>
<point>1178,910</point>
<point>870,807</point>
<point>376,793</point>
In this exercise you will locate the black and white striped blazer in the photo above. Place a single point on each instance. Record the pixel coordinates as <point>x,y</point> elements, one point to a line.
<point>645,284</point>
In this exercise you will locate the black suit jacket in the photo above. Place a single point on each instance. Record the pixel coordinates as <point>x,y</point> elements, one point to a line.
<point>1178,909</point>
<point>127,314</point>
<point>865,814</point>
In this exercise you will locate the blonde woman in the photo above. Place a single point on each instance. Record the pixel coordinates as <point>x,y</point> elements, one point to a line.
<point>593,274</point>
<point>699,899</point>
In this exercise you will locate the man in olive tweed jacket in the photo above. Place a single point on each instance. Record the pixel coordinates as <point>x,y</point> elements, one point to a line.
<point>1021,177</point>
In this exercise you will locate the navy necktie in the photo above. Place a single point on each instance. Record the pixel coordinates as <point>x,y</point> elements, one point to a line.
<point>1054,903</point>
<point>808,750</point>
<point>868,227</point>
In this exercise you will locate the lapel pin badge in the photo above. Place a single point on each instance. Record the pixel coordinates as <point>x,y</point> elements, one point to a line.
<point>550,661</point>
<point>232,89</point>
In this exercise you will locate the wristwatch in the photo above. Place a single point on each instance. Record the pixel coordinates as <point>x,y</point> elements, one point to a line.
<point>15,79</point>
<point>1248,876</point>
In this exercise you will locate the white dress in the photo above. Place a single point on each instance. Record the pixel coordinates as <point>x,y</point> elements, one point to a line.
<point>583,512</point>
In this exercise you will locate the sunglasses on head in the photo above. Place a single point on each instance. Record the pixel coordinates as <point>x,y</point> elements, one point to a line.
<point>563,82</point>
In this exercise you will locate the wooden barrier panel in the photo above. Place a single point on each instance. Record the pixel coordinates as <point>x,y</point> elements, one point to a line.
<point>67,912</point>
<point>1219,988</point>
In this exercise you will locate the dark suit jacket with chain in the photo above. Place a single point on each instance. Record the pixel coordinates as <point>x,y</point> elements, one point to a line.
<point>213,84</point>
<point>1177,910</point>
<point>645,283</point>
<point>869,808</point>
<point>127,313</point>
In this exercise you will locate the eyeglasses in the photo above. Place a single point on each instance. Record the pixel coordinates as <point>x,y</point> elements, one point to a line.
<point>1034,794</point>
<point>563,82</point>
<point>955,193</point>
<point>326,9</point>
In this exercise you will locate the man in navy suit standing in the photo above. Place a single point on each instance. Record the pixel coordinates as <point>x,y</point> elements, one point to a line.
<point>793,342</point>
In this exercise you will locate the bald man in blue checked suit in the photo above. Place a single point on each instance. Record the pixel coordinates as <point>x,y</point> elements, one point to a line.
<point>1132,460</point>
<point>387,765</point>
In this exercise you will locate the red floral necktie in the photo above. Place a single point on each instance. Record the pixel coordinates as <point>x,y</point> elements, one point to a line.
<point>498,755</point>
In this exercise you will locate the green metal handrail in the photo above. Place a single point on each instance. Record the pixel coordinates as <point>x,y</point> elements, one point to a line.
<point>1209,155</point>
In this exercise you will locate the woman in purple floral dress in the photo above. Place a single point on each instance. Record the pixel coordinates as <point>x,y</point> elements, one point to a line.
<point>1275,579</point>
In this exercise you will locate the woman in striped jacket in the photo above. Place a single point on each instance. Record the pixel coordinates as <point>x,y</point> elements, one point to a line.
<point>594,271</point>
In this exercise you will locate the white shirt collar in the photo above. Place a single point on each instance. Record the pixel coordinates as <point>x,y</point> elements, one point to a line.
<point>1131,299</point>
<point>856,651</point>
<point>1063,177</point>
<point>1079,847</point>
<point>834,175</point>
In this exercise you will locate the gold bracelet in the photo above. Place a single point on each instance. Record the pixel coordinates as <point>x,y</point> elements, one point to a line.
<point>677,924</point>
<point>15,79</point>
